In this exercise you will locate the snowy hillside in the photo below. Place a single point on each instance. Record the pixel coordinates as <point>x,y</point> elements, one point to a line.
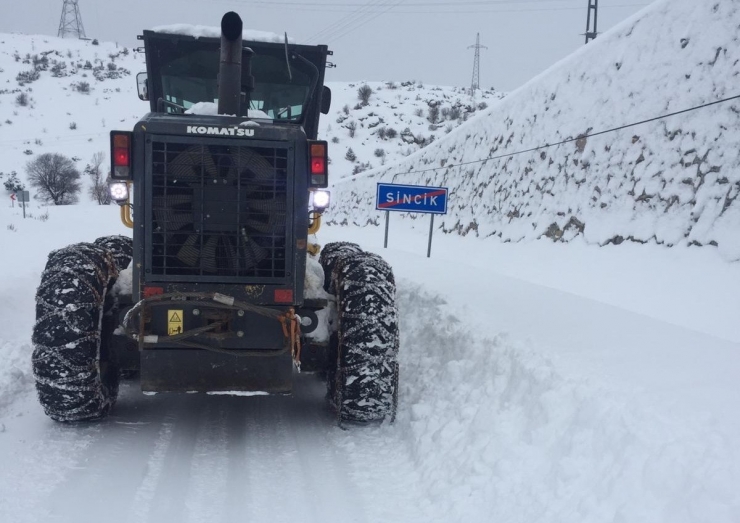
<point>673,181</point>
<point>63,96</point>
<point>397,120</point>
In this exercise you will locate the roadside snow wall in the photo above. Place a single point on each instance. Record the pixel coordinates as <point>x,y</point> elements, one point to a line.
<point>673,181</point>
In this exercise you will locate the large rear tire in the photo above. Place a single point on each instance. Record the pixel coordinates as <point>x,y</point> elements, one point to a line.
<point>72,380</point>
<point>362,378</point>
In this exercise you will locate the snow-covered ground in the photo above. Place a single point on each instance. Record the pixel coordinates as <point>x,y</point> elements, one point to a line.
<point>540,382</point>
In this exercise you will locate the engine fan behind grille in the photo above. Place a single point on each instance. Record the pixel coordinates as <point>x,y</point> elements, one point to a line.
<point>218,210</point>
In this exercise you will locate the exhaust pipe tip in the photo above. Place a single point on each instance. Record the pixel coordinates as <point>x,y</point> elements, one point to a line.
<point>230,68</point>
<point>231,26</point>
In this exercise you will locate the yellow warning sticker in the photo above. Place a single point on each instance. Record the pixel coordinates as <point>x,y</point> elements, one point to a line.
<point>174,322</point>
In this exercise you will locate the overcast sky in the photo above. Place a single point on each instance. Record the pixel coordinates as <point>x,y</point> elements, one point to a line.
<point>423,40</point>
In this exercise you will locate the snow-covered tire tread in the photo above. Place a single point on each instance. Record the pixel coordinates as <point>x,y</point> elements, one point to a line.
<point>363,383</point>
<point>72,384</point>
<point>331,254</point>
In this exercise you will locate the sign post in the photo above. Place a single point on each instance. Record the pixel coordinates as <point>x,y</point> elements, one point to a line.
<point>12,200</point>
<point>411,198</point>
<point>431,228</point>
<point>385,243</point>
<point>25,197</point>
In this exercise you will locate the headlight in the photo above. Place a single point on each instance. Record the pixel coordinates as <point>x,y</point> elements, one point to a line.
<point>119,191</point>
<point>320,200</point>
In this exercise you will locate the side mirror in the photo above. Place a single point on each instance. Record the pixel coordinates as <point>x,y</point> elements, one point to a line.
<point>141,85</point>
<point>325,100</point>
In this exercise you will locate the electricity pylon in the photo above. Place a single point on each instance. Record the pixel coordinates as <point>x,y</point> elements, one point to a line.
<point>475,84</point>
<point>591,33</point>
<point>71,22</point>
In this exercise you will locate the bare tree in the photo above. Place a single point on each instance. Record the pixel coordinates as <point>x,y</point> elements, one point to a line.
<point>98,190</point>
<point>351,127</point>
<point>364,93</point>
<point>55,177</point>
<point>433,113</point>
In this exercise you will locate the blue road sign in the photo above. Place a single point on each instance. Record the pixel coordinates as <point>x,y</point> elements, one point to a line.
<point>411,198</point>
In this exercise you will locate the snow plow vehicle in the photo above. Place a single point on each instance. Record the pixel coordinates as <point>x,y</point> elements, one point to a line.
<point>221,288</point>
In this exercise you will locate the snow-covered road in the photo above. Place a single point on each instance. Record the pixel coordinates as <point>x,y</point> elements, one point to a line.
<point>539,383</point>
<point>206,458</point>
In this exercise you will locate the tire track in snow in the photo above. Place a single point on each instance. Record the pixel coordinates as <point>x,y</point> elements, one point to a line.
<point>145,493</point>
<point>169,497</point>
<point>280,450</point>
<point>37,456</point>
<point>272,469</point>
<point>120,465</point>
<point>325,471</point>
<point>238,487</point>
<point>207,492</point>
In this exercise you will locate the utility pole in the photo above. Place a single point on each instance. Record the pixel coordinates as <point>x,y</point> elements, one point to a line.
<point>475,84</point>
<point>71,21</point>
<point>591,33</point>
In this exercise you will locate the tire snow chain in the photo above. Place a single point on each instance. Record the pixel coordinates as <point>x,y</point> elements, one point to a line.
<point>52,310</point>
<point>288,320</point>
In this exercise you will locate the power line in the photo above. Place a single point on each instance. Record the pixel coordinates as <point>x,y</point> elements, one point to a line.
<point>431,8</point>
<point>354,21</point>
<point>569,140</point>
<point>409,4</point>
<point>340,34</point>
<point>348,19</point>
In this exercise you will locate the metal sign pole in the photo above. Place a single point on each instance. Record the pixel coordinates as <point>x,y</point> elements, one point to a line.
<point>431,229</point>
<point>24,209</point>
<point>385,244</point>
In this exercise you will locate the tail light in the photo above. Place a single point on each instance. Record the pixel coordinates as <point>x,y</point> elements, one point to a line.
<point>120,143</point>
<point>319,160</point>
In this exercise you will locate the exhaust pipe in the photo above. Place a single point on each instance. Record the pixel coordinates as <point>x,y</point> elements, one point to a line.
<point>230,67</point>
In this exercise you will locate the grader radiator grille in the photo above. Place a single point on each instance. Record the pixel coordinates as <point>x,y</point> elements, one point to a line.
<point>218,211</point>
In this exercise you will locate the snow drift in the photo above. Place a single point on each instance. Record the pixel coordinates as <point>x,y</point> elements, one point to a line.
<point>672,181</point>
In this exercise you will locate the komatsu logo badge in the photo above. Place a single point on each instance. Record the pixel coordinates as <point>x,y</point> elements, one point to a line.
<point>219,131</point>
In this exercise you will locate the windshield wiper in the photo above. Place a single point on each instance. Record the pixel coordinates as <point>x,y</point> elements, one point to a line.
<point>287,61</point>
<point>161,102</point>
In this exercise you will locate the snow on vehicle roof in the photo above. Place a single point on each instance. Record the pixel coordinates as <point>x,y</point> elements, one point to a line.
<point>199,31</point>
<point>211,109</point>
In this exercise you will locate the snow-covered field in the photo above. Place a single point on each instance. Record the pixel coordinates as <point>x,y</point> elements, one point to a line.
<point>540,381</point>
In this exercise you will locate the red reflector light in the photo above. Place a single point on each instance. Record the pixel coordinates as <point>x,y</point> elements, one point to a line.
<point>284,295</point>
<point>318,165</point>
<point>121,157</point>
<point>153,291</point>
